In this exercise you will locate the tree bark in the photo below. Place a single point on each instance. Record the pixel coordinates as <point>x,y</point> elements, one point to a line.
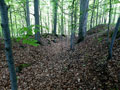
<point>37,28</point>
<point>28,13</point>
<point>72,34</point>
<point>62,19</point>
<point>91,21</point>
<point>83,19</point>
<point>75,17</point>
<point>97,13</point>
<point>55,16</point>
<point>8,49</point>
<point>113,39</point>
<point>72,28</point>
<point>109,21</point>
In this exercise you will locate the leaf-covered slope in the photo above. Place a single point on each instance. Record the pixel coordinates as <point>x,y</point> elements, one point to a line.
<point>55,67</point>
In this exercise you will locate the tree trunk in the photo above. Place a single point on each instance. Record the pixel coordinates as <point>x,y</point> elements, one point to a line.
<point>55,16</point>
<point>114,15</point>
<point>62,19</point>
<point>41,22</point>
<point>48,22</point>
<point>37,28</point>
<point>91,21</point>
<point>11,23</point>
<point>16,26</point>
<point>83,19</point>
<point>97,13</point>
<point>72,29</point>
<point>75,17</point>
<point>109,21</point>
<point>104,14</point>
<point>28,13</point>
<point>72,34</point>
<point>8,49</point>
<point>113,38</point>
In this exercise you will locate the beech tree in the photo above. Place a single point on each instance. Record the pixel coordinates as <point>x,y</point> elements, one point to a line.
<point>83,19</point>
<point>72,27</point>
<point>8,49</point>
<point>55,9</point>
<point>37,27</point>
<point>28,13</point>
<point>62,20</point>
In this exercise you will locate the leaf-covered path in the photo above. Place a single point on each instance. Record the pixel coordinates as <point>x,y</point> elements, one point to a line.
<point>54,67</point>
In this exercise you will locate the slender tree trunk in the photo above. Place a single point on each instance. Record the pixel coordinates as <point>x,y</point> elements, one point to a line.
<point>59,25</point>
<point>48,22</point>
<point>11,23</point>
<point>8,49</point>
<point>55,17</point>
<point>37,28</point>
<point>75,17</point>
<point>22,21</point>
<point>41,22</point>
<point>83,19</point>
<point>69,27</point>
<point>97,13</point>
<point>109,21</point>
<point>62,19</point>
<point>65,31</point>
<point>72,28</point>
<point>104,15</point>
<point>100,16</point>
<point>41,28</point>
<point>28,13</point>
<point>72,34</point>
<point>113,38</point>
<point>91,21</point>
<point>16,26</point>
<point>25,14</point>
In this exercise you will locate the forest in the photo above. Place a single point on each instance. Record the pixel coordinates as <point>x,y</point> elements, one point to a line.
<point>59,44</point>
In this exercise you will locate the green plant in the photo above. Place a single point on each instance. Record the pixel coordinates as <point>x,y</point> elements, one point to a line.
<point>26,34</point>
<point>100,39</point>
<point>21,66</point>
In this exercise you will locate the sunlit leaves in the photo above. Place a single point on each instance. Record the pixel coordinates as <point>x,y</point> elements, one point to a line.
<point>26,32</point>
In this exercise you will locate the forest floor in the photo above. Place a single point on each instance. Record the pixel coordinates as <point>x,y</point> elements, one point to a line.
<point>52,66</point>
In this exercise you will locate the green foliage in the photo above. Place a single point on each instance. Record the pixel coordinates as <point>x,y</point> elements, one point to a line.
<point>27,30</point>
<point>100,39</point>
<point>26,33</point>
<point>31,41</point>
<point>21,66</point>
<point>25,65</point>
<point>116,2</point>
